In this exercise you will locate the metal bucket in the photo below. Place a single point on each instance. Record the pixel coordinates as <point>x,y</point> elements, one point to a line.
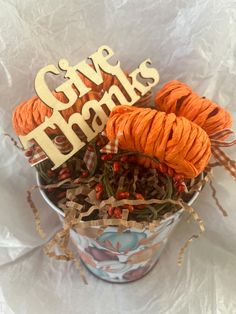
<point>121,257</point>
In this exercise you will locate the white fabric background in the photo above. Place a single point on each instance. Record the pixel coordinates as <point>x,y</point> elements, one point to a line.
<point>194,41</point>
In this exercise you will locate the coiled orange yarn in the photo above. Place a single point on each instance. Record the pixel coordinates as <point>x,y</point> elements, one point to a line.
<point>175,141</point>
<point>31,113</point>
<point>177,97</point>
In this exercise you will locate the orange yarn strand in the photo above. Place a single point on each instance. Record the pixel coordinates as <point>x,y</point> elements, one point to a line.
<point>175,141</point>
<point>177,97</point>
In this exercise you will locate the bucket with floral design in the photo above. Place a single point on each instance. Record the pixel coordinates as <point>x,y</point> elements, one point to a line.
<point>120,256</point>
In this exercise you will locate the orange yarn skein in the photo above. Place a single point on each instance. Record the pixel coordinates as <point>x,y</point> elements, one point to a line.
<point>31,113</point>
<point>178,98</point>
<point>175,141</point>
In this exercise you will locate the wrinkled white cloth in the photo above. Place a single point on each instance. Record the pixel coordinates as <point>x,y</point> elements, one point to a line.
<point>193,41</point>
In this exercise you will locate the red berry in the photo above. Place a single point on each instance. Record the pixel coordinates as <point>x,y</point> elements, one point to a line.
<point>181,188</point>
<point>122,195</point>
<point>130,208</point>
<point>178,177</point>
<point>63,176</point>
<point>110,211</point>
<point>64,170</point>
<point>107,157</point>
<point>84,174</point>
<point>99,187</point>
<point>116,166</point>
<point>139,196</point>
<point>117,213</point>
<point>99,195</point>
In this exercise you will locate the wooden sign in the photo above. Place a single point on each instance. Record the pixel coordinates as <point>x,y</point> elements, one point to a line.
<point>133,87</point>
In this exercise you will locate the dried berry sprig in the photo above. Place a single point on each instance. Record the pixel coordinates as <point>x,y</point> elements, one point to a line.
<point>116,175</point>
